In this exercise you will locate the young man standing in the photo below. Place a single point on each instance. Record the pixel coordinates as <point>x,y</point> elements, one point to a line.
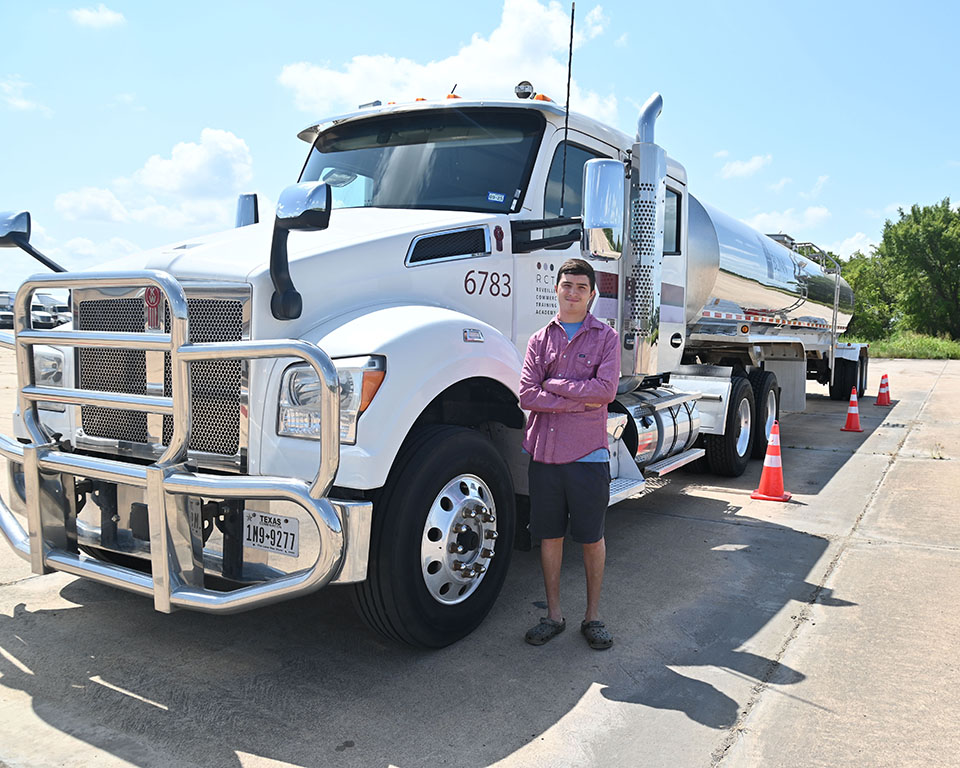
<point>570,373</point>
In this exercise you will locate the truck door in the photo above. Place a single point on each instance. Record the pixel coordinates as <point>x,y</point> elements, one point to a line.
<point>536,272</point>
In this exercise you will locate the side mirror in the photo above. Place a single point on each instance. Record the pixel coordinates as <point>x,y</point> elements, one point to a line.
<point>305,207</point>
<point>15,233</point>
<point>604,194</point>
<point>14,229</point>
<point>248,210</point>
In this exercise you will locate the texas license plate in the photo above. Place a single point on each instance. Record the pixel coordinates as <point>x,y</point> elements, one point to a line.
<point>273,533</point>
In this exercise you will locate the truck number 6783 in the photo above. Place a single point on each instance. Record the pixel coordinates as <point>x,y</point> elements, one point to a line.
<point>492,283</point>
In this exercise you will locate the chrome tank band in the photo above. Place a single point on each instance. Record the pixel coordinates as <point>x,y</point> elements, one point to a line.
<point>661,432</point>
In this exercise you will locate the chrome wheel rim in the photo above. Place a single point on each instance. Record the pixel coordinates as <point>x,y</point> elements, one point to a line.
<point>771,414</point>
<point>459,539</point>
<point>743,437</point>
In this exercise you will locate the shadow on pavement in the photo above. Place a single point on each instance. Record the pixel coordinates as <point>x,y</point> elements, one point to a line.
<point>306,683</point>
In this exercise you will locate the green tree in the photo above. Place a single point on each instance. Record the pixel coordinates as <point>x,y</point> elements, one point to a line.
<point>875,296</point>
<point>918,263</point>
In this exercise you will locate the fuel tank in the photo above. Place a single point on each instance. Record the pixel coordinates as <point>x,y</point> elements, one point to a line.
<point>733,270</point>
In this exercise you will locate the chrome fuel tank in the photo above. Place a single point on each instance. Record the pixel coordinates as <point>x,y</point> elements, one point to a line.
<point>736,274</point>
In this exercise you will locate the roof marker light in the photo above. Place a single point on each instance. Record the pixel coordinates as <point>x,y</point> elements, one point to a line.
<point>542,97</point>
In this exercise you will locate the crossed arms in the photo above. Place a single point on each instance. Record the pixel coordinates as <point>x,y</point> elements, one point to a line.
<point>549,394</point>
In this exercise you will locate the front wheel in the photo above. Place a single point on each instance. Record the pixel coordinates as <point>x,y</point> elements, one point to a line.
<point>443,527</point>
<point>728,454</point>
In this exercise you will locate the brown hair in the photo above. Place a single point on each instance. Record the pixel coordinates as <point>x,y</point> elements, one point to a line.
<point>577,267</point>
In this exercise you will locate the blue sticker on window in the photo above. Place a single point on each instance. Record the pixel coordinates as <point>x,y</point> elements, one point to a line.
<point>496,197</point>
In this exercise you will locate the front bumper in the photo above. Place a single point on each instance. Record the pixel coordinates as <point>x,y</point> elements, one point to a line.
<point>174,542</point>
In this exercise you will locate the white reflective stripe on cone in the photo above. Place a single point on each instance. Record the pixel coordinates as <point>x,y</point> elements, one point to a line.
<point>772,461</point>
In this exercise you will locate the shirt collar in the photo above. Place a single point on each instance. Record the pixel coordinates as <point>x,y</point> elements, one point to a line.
<point>588,322</point>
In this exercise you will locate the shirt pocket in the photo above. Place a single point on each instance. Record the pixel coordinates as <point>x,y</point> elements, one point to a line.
<point>584,367</point>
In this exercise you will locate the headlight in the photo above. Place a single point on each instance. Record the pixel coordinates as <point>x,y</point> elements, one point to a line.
<point>48,372</point>
<point>300,391</point>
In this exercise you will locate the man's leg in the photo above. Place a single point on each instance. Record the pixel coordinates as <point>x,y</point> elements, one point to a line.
<point>551,559</point>
<point>594,559</point>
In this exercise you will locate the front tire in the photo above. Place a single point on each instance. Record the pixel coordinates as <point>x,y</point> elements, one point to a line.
<point>728,454</point>
<point>440,546</point>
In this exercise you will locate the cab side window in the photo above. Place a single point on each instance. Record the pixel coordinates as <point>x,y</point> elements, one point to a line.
<point>577,156</point>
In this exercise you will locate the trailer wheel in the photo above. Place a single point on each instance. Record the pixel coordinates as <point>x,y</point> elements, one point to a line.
<point>845,378</point>
<point>728,454</point>
<point>766,395</point>
<point>440,546</point>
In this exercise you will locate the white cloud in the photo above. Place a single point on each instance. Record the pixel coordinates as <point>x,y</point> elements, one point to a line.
<point>97,18</point>
<point>11,94</point>
<point>790,221</point>
<point>90,203</point>
<point>621,41</point>
<point>530,43</point>
<point>778,187</point>
<point>220,164</point>
<point>817,188</point>
<point>744,168</point>
<point>858,242</point>
<point>195,187</point>
<point>721,153</point>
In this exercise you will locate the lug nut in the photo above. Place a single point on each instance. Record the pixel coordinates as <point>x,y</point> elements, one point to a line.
<point>457,565</point>
<point>487,553</point>
<point>478,569</point>
<point>492,535</point>
<point>456,549</point>
<point>461,528</point>
<point>469,513</point>
<point>488,518</point>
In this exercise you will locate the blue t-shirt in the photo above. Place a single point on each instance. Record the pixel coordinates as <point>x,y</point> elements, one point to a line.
<point>571,329</point>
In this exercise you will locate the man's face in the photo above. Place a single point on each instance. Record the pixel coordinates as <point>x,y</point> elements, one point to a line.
<point>574,297</point>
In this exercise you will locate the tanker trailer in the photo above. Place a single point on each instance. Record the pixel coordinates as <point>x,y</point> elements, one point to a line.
<point>721,325</point>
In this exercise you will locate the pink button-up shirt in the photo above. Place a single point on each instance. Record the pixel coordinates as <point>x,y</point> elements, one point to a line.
<point>558,379</point>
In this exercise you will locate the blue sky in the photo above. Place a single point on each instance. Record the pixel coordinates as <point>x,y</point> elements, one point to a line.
<point>127,125</point>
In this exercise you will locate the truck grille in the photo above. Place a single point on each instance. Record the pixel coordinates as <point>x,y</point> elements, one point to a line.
<point>216,384</point>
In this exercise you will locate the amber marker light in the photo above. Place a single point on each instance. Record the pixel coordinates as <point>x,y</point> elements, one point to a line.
<point>371,383</point>
<point>744,329</point>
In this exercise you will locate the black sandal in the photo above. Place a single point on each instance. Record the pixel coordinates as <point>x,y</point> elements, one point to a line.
<point>546,630</point>
<point>597,636</point>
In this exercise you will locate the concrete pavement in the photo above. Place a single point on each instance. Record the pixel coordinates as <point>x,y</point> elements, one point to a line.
<point>816,632</point>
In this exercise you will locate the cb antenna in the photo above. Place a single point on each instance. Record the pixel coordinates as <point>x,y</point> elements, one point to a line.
<point>566,117</point>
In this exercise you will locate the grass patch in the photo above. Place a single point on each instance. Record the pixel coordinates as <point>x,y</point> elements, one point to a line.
<point>913,346</point>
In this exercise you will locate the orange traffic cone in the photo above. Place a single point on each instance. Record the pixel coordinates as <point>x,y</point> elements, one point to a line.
<point>771,479</point>
<point>883,398</point>
<point>853,414</point>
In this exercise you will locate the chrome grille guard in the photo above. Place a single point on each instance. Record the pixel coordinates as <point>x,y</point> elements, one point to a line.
<point>174,582</point>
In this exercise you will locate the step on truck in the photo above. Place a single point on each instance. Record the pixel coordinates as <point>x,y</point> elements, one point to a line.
<point>330,396</point>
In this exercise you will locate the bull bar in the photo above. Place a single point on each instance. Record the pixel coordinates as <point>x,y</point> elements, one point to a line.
<point>175,580</point>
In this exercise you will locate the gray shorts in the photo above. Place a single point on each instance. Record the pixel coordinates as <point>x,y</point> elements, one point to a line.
<point>578,493</point>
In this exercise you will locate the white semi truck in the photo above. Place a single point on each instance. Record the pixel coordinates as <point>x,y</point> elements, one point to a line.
<point>330,397</point>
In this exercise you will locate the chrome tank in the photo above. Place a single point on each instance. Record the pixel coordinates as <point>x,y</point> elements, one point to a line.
<point>660,432</point>
<point>734,270</point>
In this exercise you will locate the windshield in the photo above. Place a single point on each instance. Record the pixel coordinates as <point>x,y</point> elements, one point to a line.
<point>476,159</point>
